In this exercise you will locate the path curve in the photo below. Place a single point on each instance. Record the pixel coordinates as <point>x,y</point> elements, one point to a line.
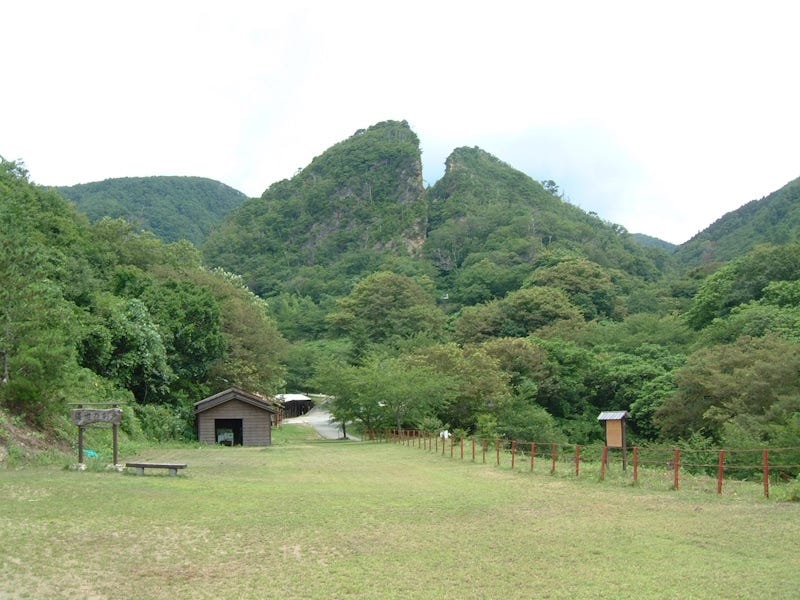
<point>320,419</point>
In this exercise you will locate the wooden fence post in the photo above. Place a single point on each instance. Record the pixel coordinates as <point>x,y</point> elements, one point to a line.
<point>720,470</point>
<point>765,467</point>
<point>554,452</point>
<point>676,465</point>
<point>577,460</point>
<point>484,445</point>
<point>497,448</point>
<point>604,463</point>
<point>473,449</point>
<point>636,465</point>
<point>462,448</point>
<point>533,453</point>
<point>513,453</point>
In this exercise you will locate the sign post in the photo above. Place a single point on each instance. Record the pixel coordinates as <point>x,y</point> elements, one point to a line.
<point>88,416</point>
<point>615,432</point>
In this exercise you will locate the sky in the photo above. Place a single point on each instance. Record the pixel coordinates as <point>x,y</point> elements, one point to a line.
<point>658,116</point>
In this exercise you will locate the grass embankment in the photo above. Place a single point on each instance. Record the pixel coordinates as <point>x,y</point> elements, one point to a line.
<point>314,519</point>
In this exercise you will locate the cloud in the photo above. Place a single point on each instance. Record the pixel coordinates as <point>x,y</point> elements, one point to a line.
<point>658,117</point>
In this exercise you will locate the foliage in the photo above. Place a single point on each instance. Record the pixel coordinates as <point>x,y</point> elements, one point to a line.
<point>498,305</point>
<point>173,208</point>
<point>101,313</point>
<point>384,307</point>
<point>386,391</point>
<point>335,221</point>
<point>752,383</point>
<point>772,220</point>
<point>743,280</point>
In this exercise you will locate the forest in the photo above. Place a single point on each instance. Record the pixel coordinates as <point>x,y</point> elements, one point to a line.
<point>486,304</point>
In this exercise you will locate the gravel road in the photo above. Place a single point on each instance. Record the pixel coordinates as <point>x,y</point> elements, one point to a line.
<point>320,419</point>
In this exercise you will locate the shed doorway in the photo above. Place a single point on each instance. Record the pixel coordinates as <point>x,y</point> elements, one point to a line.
<point>228,432</point>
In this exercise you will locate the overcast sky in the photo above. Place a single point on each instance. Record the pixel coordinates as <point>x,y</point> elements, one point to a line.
<point>659,116</point>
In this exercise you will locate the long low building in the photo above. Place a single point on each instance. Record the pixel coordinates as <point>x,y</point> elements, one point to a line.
<point>295,405</point>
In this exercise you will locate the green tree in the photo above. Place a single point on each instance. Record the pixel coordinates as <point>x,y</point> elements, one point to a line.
<point>385,307</point>
<point>755,377</point>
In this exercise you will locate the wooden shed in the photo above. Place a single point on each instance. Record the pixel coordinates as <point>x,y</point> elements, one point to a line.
<point>234,418</point>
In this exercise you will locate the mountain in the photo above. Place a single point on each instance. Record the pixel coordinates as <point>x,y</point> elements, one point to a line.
<point>653,242</point>
<point>173,208</point>
<point>774,219</point>
<point>357,204</point>
<point>482,205</point>
<point>361,207</point>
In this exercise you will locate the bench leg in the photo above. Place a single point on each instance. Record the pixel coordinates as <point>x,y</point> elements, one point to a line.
<point>140,470</point>
<point>173,471</point>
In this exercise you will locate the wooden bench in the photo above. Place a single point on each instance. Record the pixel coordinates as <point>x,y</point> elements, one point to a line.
<point>141,466</point>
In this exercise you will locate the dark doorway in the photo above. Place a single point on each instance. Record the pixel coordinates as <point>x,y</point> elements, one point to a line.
<point>228,432</point>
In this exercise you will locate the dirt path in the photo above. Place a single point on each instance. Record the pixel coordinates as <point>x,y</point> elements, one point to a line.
<point>320,419</point>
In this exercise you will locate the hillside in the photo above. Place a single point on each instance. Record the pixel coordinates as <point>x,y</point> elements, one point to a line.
<point>652,242</point>
<point>361,207</point>
<point>774,219</point>
<point>98,312</point>
<point>485,216</point>
<point>358,203</point>
<point>173,208</point>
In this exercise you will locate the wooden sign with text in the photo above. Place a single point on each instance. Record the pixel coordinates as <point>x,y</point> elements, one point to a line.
<point>86,416</point>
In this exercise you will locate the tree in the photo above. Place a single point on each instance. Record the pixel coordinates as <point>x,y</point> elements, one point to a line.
<point>385,390</point>
<point>481,386</point>
<point>588,285</point>
<point>755,377</point>
<point>383,307</point>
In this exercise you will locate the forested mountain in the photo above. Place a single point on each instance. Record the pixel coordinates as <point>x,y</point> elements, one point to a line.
<point>358,204</point>
<point>174,208</point>
<point>485,304</point>
<point>651,242</point>
<point>361,207</point>
<point>774,219</point>
<point>100,312</point>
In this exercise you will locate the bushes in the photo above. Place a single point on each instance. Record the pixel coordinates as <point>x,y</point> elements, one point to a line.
<point>161,423</point>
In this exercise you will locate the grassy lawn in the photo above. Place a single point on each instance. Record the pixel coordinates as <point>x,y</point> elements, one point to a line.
<point>314,519</point>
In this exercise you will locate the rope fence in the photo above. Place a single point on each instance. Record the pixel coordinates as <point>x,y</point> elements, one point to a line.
<point>765,465</point>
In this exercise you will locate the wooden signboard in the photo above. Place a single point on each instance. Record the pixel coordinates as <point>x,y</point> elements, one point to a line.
<point>89,416</point>
<point>614,435</point>
<point>86,416</point>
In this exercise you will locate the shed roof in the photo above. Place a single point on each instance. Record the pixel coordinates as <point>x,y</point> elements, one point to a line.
<point>233,393</point>
<point>613,415</point>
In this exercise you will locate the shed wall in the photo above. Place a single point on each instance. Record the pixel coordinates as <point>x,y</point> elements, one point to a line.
<point>256,423</point>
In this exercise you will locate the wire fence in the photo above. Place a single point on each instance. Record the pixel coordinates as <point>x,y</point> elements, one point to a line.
<point>665,465</point>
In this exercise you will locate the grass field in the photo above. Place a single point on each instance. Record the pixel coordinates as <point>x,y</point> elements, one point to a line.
<point>314,519</point>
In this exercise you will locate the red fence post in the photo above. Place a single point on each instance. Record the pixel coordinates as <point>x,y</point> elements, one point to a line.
<point>473,449</point>
<point>577,460</point>
<point>603,463</point>
<point>676,465</point>
<point>765,467</point>
<point>484,445</point>
<point>554,451</point>
<point>636,465</point>
<point>497,448</point>
<point>462,448</point>
<point>720,470</point>
<point>513,453</point>
<point>533,453</point>
<point>451,446</point>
